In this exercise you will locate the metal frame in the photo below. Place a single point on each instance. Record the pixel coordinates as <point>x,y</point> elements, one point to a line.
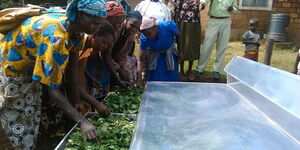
<point>258,108</point>
<point>268,8</point>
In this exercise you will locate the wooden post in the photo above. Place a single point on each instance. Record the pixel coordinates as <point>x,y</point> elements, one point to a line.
<point>268,52</point>
<point>295,69</point>
<point>22,2</point>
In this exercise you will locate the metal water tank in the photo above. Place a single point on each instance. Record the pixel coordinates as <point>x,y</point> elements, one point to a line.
<point>278,27</point>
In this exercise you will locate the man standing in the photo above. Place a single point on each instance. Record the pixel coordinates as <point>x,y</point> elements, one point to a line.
<point>217,31</point>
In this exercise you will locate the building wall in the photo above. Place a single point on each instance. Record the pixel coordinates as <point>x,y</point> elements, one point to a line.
<point>241,19</point>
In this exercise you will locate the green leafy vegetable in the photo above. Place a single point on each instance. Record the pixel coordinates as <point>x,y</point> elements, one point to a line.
<point>115,132</point>
<point>124,100</point>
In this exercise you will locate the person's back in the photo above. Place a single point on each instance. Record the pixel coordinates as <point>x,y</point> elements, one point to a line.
<point>30,41</point>
<point>154,8</point>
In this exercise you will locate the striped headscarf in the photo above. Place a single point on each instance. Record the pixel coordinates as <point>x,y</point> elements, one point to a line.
<point>114,8</point>
<point>92,7</point>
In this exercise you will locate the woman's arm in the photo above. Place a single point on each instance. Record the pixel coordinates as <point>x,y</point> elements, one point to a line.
<point>72,89</point>
<point>100,107</point>
<point>88,129</point>
<point>71,79</point>
<point>110,64</point>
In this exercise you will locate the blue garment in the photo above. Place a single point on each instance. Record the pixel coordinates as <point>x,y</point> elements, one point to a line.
<point>92,7</point>
<point>166,36</point>
<point>167,30</point>
<point>100,72</point>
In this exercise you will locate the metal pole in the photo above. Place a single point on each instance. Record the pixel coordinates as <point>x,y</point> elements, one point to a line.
<point>268,52</point>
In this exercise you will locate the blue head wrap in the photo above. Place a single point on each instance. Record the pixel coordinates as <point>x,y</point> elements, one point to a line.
<point>92,7</point>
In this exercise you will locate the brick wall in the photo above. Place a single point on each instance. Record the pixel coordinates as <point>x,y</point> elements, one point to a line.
<point>241,19</point>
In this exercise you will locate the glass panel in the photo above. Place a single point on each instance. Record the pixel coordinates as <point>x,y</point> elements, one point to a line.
<point>261,3</point>
<point>248,2</point>
<point>255,3</point>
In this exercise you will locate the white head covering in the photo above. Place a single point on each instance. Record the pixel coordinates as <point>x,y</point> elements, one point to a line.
<point>148,22</point>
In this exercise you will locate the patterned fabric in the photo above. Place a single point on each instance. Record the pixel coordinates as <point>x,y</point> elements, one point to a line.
<point>20,105</point>
<point>147,23</point>
<point>99,71</point>
<point>129,65</point>
<point>166,33</point>
<point>92,7</point>
<point>114,8</point>
<point>187,10</point>
<point>125,5</point>
<point>39,46</point>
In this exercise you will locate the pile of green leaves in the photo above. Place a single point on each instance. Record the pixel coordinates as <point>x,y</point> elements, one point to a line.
<point>124,100</point>
<point>115,133</point>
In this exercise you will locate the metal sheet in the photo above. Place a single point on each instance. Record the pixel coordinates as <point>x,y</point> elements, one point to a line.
<point>274,92</point>
<point>191,116</point>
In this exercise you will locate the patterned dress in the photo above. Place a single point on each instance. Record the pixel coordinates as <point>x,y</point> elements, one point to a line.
<point>187,16</point>
<point>35,52</point>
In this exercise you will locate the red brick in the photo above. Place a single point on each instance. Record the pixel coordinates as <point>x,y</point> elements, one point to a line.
<point>295,5</point>
<point>287,5</point>
<point>293,15</point>
<point>281,10</point>
<point>292,10</point>
<point>277,4</point>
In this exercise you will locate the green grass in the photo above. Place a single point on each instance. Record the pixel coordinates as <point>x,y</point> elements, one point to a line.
<point>282,58</point>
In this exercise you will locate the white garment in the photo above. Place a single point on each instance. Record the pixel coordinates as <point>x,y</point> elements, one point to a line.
<point>158,10</point>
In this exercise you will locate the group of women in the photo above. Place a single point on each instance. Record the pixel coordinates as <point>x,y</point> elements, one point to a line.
<point>72,57</point>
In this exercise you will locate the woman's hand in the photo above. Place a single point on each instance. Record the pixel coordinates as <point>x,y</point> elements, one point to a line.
<point>102,109</point>
<point>89,130</point>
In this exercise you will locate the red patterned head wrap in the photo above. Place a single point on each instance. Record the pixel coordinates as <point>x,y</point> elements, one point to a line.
<point>114,8</point>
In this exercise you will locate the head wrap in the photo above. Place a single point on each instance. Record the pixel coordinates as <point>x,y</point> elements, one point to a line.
<point>114,8</point>
<point>148,22</point>
<point>135,14</point>
<point>92,7</point>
